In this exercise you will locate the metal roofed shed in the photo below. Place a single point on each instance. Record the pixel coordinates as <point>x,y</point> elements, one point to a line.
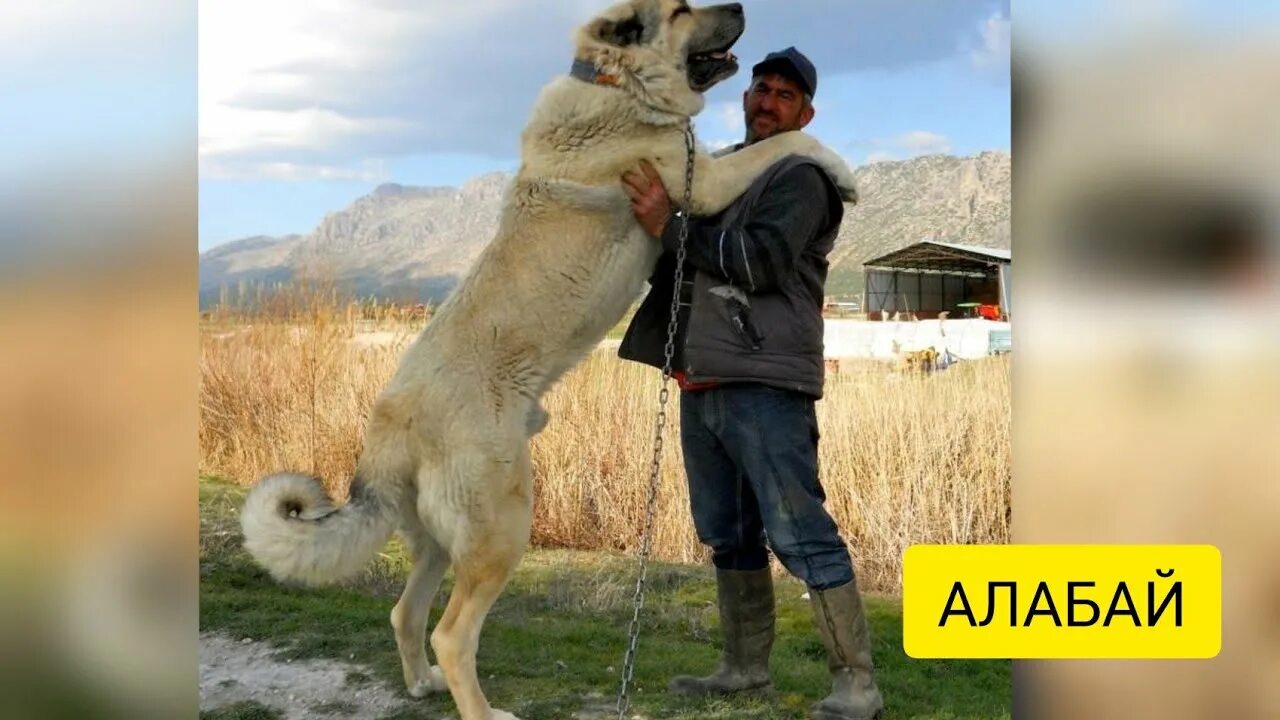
<point>932,277</point>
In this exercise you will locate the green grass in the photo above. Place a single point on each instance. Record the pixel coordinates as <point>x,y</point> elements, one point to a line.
<point>554,642</point>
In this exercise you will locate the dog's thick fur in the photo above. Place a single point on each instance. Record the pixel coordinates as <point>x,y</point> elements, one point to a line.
<point>446,450</point>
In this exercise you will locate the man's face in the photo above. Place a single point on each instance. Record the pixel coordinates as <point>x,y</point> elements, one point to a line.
<point>774,104</point>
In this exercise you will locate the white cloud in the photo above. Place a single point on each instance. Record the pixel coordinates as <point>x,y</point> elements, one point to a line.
<point>906,145</point>
<point>993,53</point>
<point>729,115</point>
<point>335,83</point>
<point>254,49</point>
<point>371,171</point>
<point>922,142</point>
<point>228,130</point>
<point>856,36</point>
<point>332,83</point>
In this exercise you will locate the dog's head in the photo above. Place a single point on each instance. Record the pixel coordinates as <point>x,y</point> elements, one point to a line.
<point>664,52</point>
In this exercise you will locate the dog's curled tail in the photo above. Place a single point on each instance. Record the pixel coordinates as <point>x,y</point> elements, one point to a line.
<point>293,530</point>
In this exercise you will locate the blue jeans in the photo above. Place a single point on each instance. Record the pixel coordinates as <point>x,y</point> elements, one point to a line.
<point>751,456</point>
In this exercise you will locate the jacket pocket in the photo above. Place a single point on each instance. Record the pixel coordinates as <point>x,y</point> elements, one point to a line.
<point>735,308</point>
<point>740,316</point>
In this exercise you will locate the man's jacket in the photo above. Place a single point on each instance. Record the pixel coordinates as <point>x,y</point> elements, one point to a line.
<point>751,306</point>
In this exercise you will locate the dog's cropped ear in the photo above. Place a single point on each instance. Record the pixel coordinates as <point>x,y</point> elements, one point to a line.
<point>620,32</point>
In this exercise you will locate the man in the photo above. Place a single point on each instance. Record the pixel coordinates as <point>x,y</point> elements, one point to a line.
<point>749,363</point>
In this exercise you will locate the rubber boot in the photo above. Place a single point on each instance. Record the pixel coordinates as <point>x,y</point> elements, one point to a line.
<point>746,623</point>
<point>854,695</point>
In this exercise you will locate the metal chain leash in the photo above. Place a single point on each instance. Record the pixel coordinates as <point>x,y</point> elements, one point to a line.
<point>655,465</point>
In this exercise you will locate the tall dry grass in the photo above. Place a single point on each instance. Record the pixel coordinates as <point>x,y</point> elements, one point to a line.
<point>905,459</point>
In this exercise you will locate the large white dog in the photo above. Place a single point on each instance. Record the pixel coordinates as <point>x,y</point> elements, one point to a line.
<point>446,451</point>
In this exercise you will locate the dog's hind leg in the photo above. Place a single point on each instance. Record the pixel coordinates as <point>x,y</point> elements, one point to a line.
<point>409,616</point>
<point>497,538</point>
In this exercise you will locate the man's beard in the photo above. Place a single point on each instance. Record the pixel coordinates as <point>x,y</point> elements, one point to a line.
<point>754,137</point>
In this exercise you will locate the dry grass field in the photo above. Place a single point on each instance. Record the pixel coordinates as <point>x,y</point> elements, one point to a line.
<point>906,458</point>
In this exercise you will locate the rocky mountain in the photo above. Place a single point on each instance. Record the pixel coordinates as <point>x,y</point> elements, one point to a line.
<point>933,197</point>
<point>413,243</point>
<point>250,260</point>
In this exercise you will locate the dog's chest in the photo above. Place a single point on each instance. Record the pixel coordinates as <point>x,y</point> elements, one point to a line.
<point>628,261</point>
<point>604,285</point>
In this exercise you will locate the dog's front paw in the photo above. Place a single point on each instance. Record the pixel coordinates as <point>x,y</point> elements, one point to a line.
<point>839,170</point>
<point>805,145</point>
<point>496,714</point>
<point>848,193</point>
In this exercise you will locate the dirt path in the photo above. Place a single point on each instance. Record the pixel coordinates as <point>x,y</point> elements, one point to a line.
<point>235,670</point>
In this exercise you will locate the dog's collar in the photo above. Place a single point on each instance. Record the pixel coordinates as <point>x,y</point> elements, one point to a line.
<point>586,71</point>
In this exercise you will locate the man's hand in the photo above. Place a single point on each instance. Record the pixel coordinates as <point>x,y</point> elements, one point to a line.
<point>649,200</point>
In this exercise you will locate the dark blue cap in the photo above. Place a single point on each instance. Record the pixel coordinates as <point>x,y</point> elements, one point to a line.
<point>790,63</point>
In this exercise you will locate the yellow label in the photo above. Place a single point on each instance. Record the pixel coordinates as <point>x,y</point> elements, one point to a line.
<point>1062,601</point>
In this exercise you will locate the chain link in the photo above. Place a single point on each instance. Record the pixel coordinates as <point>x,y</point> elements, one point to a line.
<point>655,464</point>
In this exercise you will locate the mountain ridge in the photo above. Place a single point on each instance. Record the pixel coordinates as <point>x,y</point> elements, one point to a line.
<point>412,243</point>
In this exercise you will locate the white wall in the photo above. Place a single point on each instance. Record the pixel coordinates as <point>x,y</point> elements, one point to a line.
<point>965,338</point>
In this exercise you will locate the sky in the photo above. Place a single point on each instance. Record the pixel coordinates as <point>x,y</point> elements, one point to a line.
<point>307,104</point>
